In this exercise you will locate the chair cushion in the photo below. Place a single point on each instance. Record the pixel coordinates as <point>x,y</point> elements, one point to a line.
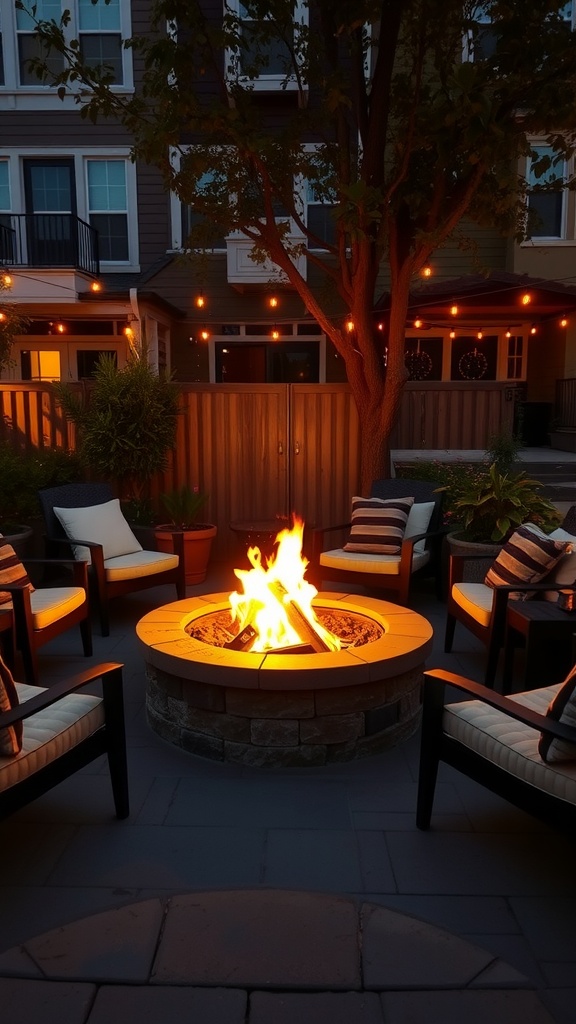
<point>510,744</point>
<point>525,558</point>
<point>104,524</point>
<point>12,572</point>
<point>139,563</point>
<point>50,733</point>
<point>383,565</point>
<point>476,599</point>
<point>52,603</point>
<point>564,572</point>
<point>378,526</point>
<point>10,735</point>
<point>562,709</point>
<point>419,521</point>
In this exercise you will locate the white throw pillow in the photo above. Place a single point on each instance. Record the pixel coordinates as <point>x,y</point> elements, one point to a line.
<point>564,572</point>
<point>103,524</point>
<point>418,522</point>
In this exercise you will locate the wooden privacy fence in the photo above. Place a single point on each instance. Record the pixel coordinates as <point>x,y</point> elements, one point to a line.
<point>262,451</point>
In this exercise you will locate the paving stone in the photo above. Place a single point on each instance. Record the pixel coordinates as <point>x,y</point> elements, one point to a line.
<point>471,1007</point>
<point>115,1003</point>
<point>117,945</point>
<point>315,1008</point>
<point>404,952</point>
<point>260,938</point>
<point>17,963</point>
<point>45,1002</point>
<point>499,974</point>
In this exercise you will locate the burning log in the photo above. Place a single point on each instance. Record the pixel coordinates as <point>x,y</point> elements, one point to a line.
<point>303,627</point>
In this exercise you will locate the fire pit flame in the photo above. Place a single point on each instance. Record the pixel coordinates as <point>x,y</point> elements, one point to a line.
<point>277,601</point>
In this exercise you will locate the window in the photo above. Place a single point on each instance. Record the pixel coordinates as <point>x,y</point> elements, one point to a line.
<point>515,358</point>
<point>191,219</point>
<point>39,365</point>
<point>100,29</point>
<point>264,54</point>
<point>100,37</point>
<point>484,40</point>
<point>319,215</point>
<point>29,46</point>
<point>545,205</point>
<point>107,207</point>
<point>87,360</point>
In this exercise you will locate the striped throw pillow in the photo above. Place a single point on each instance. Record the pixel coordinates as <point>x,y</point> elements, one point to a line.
<point>12,572</point>
<point>526,557</point>
<point>561,709</point>
<point>378,525</point>
<point>11,735</point>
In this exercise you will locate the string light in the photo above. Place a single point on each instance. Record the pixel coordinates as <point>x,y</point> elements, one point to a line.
<point>480,335</point>
<point>454,310</point>
<point>95,286</point>
<point>380,326</point>
<point>2,316</point>
<point>128,331</point>
<point>564,322</point>
<point>526,299</point>
<point>452,334</point>
<point>275,334</point>
<point>508,333</point>
<point>417,323</point>
<point>533,329</point>
<point>204,334</point>
<point>427,271</point>
<point>273,302</point>
<point>349,326</point>
<point>7,280</point>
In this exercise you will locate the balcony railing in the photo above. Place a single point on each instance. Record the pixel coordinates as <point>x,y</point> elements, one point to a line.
<point>48,240</point>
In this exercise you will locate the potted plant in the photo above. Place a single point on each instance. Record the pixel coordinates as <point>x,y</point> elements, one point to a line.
<point>495,504</point>
<point>183,505</point>
<point>126,419</point>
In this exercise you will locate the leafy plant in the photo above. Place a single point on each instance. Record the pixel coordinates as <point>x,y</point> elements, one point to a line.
<point>23,473</point>
<point>126,422</point>
<point>183,505</point>
<point>491,509</point>
<point>503,450</point>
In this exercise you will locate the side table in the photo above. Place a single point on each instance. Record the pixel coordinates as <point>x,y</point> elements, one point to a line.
<point>547,634</point>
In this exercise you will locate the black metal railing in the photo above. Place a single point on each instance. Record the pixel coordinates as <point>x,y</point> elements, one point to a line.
<point>48,240</point>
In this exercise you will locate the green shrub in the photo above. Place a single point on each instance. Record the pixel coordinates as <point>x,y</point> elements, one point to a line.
<point>23,472</point>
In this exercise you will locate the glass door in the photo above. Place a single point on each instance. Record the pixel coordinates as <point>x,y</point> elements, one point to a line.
<point>50,212</point>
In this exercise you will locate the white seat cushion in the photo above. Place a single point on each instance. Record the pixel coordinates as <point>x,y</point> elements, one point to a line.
<point>382,565</point>
<point>138,563</point>
<point>52,603</point>
<point>418,522</point>
<point>476,599</point>
<point>511,744</point>
<point>51,732</point>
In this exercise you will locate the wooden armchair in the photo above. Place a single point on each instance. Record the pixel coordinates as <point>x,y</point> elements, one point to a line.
<point>31,619</point>
<point>63,729</point>
<point>494,740</point>
<point>391,574</point>
<point>110,576</point>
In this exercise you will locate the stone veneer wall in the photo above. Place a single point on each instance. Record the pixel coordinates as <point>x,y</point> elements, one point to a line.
<point>266,728</point>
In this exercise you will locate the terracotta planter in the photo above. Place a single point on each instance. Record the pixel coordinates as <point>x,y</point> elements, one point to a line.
<point>197,548</point>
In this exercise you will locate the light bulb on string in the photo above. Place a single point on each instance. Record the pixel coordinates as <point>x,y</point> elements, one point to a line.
<point>452,334</point>
<point>418,322</point>
<point>200,301</point>
<point>564,322</point>
<point>454,310</point>
<point>427,271</point>
<point>526,299</point>
<point>275,334</point>
<point>273,301</point>
<point>7,280</point>
<point>349,326</point>
<point>533,329</point>
<point>480,335</point>
<point>508,333</point>
<point>204,334</point>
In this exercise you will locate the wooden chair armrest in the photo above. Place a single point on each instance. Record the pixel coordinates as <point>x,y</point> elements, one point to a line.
<point>435,681</point>
<point>109,672</point>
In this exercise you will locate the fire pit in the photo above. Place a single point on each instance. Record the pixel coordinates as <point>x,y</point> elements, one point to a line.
<point>280,675</point>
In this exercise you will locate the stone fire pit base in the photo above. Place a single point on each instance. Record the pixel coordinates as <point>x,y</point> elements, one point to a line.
<point>289,718</point>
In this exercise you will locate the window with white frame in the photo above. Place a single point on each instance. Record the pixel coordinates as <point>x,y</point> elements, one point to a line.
<point>6,234</point>
<point>320,205</point>
<point>100,36</point>
<point>265,53</point>
<point>108,207</point>
<point>100,28</point>
<point>28,44</point>
<point>546,203</point>
<point>191,219</point>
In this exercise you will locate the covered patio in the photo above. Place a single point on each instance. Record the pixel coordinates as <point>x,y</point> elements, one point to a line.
<point>203,835</point>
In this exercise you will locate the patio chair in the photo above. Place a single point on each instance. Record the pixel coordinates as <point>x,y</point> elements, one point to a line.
<point>483,608</point>
<point>48,734</point>
<point>522,747</point>
<point>420,546</point>
<point>30,617</point>
<point>90,516</point>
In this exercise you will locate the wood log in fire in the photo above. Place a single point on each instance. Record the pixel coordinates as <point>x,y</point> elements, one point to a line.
<point>304,628</point>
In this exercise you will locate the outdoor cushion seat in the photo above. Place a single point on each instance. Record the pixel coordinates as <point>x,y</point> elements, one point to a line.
<point>51,604</point>
<point>117,563</point>
<point>352,561</point>
<point>497,741</point>
<point>129,567</point>
<point>476,599</point>
<point>62,730</point>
